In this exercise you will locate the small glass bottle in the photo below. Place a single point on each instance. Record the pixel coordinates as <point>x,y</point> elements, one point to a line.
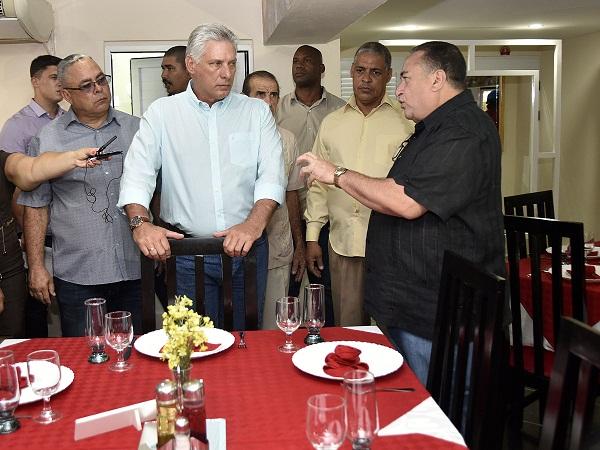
<point>182,434</point>
<point>194,410</point>
<point>166,411</point>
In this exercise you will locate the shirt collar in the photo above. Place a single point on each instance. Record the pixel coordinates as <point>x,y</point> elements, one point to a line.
<point>293,97</point>
<point>39,111</point>
<point>70,117</point>
<point>191,96</point>
<point>438,115</point>
<point>352,104</point>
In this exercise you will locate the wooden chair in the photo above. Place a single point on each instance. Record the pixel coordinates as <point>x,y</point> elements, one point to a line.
<point>530,366</point>
<point>200,247</point>
<point>469,348</point>
<point>573,387</point>
<point>532,204</point>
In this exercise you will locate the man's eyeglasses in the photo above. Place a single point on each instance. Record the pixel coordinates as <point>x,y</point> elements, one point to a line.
<point>89,86</point>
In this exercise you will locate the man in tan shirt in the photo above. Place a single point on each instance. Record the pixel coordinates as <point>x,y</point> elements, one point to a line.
<point>363,136</point>
<point>301,112</point>
<point>284,230</point>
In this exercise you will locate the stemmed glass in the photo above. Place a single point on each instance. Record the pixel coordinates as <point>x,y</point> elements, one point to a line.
<point>588,242</point>
<point>361,407</point>
<point>314,312</point>
<point>9,393</point>
<point>95,309</point>
<point>119,333</point>
<point>287,316</point>
<point>43,374</point>
<point>326,421</point>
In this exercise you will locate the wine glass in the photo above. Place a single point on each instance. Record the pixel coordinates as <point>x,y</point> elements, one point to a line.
<point>95,309</point>
<point>588,242</point>
<point>43,374</point>
<point>361,408</point>
<point>326,421</point>
<point>9,393</point>
<point>314,312</point>
<point>119,333</point>
<point>287,316</point>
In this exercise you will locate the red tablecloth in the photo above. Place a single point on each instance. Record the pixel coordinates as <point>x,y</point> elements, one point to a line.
<point>592,292</point>
<point>258,391</point>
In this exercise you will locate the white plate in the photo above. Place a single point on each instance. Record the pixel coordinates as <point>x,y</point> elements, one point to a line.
<point>381,360</point>
<point>567,276</point>
<point>564,251</point>
<point>151,343</point>
<point>27,395</point>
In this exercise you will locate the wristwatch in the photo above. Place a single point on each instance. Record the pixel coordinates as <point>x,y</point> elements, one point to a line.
<point>136,221</point>
<point>339,171</point>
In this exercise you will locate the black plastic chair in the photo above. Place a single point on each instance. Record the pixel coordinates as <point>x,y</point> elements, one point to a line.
<point>573,387</point>
<point>530,366</point>
<point>469,322</point>
<point>200,247</point>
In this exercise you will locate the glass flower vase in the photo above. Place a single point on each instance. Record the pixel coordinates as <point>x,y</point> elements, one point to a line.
<point>180,376</point>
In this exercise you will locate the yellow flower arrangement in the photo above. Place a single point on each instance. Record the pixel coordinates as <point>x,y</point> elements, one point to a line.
<point>184,329</point>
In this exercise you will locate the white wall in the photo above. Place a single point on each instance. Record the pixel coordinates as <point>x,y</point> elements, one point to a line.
<point>83,26</point>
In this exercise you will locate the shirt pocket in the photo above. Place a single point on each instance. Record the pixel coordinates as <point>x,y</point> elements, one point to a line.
<point>242,149</point>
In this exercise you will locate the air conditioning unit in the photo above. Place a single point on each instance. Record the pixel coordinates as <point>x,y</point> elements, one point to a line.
<point>25,21</point>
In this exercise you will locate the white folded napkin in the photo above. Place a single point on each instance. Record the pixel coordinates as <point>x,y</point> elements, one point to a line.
<point>132,415</point>
<point>215,433</point>
<point>425,418</point>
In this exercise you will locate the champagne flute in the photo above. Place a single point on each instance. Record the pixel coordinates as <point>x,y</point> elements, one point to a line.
<point>119,333</point>
<point>95,309</point>
<point>9,393</point>
<point>361,406</point>
<point>314,312</point>
<point>43,374</point>
<point>326,421</point>
<point>287,313</point>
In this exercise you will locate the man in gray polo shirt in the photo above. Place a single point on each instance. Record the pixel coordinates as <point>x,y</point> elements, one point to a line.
<point>93,252</point>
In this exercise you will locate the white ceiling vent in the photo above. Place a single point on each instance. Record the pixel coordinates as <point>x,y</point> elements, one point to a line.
<point>25,21</point>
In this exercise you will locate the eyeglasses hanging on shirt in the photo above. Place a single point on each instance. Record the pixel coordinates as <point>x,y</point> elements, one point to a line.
<point>418,128</point>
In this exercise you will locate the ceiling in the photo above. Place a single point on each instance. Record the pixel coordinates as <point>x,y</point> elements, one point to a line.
<point>475,19</point>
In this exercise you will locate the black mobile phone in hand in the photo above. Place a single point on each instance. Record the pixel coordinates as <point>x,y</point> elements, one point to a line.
<point>101,156</point>
<point>106,144</point>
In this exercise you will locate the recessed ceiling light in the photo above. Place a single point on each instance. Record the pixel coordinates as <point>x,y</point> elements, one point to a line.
<point>535,26</point>
<point>409,27</point>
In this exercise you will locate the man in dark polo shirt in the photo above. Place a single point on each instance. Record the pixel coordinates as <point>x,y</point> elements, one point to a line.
<point>442,193</point>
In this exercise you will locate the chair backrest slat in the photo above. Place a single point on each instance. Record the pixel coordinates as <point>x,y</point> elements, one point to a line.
<point>573,387</point>
<point>198,248</point>
<point>468,351</point>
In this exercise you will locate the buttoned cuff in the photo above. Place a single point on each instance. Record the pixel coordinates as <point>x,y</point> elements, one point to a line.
<point>131,195</point>
<point>313,229</point>
<point>269,191</point>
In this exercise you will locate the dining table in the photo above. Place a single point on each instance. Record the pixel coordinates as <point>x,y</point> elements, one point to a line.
<point>258,390</point>
<point>592,298</point>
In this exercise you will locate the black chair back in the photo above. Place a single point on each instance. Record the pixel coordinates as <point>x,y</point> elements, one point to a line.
<point>532,204</point>
<point>200,247</point>
<point>573,387</point>
<point>468,351</point>
<point>525,272</point>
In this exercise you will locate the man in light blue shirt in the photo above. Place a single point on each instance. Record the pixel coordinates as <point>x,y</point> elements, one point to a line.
<point>222,169</point>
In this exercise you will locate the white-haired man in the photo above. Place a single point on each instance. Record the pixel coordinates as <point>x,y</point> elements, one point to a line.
<point>222,170</point>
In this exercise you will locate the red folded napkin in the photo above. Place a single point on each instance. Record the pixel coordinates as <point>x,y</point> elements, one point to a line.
<point>23,383</point>
<point>589,272</point>
<point>343,359</point>
<point>209,347</point>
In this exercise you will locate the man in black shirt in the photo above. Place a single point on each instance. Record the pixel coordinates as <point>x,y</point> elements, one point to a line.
<point>442,193</point>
